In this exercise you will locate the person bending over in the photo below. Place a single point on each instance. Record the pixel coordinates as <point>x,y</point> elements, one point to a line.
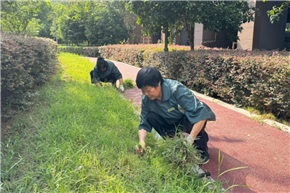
<point>106,71</point>
<point>168,103</point>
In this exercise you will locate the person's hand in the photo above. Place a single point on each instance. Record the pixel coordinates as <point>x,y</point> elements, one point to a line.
<point>140,148</point>
<point>122,88</point>
<point>188,139</point>
<point>99,85</point>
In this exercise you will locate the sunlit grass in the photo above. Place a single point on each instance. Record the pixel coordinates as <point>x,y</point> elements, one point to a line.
<point>263,115</point>
<point>80,138</point>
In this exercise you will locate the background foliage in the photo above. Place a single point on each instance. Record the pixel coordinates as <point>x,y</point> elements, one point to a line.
<point>70,22</point>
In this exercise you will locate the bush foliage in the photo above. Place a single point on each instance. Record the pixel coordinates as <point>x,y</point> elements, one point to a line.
<point>85,51</point>
<point>71,49</point>
<point>138,55</point>
<point>257,79</point>
<point>25,64</point>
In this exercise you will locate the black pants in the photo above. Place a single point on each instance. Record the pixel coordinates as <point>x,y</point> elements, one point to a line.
<point>111,78</point>
<point>169,130</point>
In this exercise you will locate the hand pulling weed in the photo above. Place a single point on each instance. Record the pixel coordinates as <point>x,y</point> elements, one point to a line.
<point>175,150</point>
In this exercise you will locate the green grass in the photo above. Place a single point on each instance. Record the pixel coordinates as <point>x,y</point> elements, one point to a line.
<point>264,115</point>
<point>80,138</point>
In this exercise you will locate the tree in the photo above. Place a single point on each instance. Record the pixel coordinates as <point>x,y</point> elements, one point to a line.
<point>59,11</point>
<point>16,16</point>
<point>72,22</point>
<point>274,13</point>
<point>46,19</point>
<point>105,25</point>
<point>156,15</point>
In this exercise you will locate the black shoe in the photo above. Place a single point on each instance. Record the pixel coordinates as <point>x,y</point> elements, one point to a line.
<point>204,157</point>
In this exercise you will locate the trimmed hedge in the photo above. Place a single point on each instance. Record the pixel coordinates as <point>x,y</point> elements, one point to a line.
<point>259,79</point>
<point>84,51</point>
<point>25,64</point>
<point>71,49</point>
<point>91,51</point>
<point>138,55</point>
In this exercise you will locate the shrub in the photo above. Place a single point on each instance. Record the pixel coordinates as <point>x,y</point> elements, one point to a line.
<point>91,51</point>
<point>138,55</point>
<point>257,79</point>
<point>84,51</point>
<point>71,49</point>
<point>25,64</point>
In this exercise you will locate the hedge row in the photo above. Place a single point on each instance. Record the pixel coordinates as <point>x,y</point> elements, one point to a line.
<point>84,51</point>
<point>138,55</point>
<point>25,64</point>
<point>257,79</point>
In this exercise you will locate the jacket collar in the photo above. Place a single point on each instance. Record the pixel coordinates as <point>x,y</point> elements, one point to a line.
<point>165,91</point>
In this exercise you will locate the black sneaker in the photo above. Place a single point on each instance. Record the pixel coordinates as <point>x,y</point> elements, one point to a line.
<point>204,157</point>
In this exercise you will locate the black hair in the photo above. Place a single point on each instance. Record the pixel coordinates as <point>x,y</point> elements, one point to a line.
<point>102,63</point>
<point>148,76</point>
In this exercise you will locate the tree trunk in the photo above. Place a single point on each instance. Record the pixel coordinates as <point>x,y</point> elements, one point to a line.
<point>166,39</point>
<point>190,33</point>
<point>191,40</point>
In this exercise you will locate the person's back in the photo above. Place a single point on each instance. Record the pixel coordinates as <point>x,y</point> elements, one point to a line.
<point>106,71</point>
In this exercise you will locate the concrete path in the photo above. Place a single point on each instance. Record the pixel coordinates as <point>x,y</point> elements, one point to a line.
<point>242,141</point>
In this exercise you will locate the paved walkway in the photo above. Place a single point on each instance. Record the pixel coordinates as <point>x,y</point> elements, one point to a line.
<point>264,149</point>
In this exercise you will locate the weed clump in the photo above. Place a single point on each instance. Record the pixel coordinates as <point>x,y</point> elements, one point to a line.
<point>128,83</point>
<point>176,151</point>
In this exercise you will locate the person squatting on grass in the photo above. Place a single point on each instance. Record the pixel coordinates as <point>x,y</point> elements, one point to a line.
<point>168,103</point>
<point>106,71</point>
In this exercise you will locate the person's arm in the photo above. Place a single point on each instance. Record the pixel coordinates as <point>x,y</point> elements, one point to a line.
<point>98,85</point>
<point>96,78</point>
<point>197,112</point>
<point>121,84</point>
<point>117,73</point>
<point>121,81</point>
<point>144,126</point>
<point>197,127</point>
<point>142,138</point>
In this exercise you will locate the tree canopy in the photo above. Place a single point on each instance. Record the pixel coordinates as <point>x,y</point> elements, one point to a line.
<point>96,22</point>
<point>20,16</point>
<point>214,15</point>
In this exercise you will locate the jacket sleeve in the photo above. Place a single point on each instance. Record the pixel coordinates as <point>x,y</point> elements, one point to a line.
<point>144,111</point>
<point>96,78</point>
<point>116,72</point>
<point>195,110</point>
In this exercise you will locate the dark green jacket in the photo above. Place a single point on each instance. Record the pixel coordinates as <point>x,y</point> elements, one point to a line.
<point>98,75</point>
<point>177,100</point>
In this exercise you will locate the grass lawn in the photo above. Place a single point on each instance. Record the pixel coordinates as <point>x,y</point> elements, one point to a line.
<point>80,138</point>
